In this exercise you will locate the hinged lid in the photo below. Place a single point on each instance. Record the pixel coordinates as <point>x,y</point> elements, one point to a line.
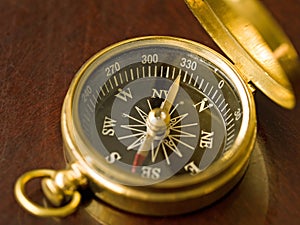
<point>250,37</point>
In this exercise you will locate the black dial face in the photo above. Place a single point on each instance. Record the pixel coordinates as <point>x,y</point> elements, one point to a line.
<point>156,111</point>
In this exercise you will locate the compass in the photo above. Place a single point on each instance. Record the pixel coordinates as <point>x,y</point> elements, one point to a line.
<point>163,111</point>
<point>159,125</point>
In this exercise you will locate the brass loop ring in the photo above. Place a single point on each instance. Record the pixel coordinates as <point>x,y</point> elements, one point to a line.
<point>41,210</point>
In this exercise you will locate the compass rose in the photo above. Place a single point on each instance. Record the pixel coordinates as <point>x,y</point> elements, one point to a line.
<point>159,129</point>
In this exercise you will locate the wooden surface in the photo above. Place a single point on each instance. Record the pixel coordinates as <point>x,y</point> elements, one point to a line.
<point>43,44</point>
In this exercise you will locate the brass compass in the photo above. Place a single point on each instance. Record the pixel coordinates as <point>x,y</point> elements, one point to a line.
<point>161,125</point>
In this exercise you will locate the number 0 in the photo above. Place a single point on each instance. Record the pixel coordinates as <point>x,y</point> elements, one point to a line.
<point>221,84</point>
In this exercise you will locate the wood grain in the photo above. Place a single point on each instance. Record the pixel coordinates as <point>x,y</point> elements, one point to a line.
<point>44,43</point>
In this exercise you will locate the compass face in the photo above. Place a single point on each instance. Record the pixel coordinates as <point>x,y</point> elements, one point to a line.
<point>120,88</point>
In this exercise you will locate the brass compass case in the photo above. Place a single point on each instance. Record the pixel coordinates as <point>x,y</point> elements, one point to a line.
<point>178,194</point>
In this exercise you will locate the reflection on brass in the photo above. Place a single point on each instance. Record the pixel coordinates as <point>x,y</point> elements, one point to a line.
<point>256,44</point>
<point>36,209</point>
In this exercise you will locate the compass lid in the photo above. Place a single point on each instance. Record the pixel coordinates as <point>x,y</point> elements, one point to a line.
<point>250,37</point>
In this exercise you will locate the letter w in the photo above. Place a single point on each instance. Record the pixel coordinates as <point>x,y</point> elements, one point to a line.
<point>124,94</point>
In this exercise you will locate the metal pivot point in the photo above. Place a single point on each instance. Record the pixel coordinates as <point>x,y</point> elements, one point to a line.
<point>158,122</point>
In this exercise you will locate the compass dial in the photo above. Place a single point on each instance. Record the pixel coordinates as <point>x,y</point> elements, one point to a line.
<point>130,112</point>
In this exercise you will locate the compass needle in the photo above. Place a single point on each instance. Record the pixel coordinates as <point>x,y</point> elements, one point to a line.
<point>142,152</point>
<point>168,103</point>
<point>157,123</point>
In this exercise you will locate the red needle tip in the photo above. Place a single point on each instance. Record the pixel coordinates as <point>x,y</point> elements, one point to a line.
<point>138,160</point>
